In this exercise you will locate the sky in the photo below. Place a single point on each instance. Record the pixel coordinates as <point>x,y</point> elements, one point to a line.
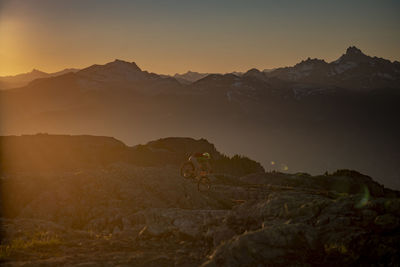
<point>174,36</point>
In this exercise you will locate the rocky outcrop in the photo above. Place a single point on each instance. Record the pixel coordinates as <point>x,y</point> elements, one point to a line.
<point>57,152</point>
<point>278,245</point>
<point>295,227</point>
<point>130,214</point>
<point>343,181</point>
<point>44,152</point>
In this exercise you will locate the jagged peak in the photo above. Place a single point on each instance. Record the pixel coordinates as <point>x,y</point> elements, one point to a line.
<point>312,61</point>
<point>135,65</point>
<point>353,50</point>
<point>36,71</point>
<point>353,54</point>
<point>122,62</point>
<point>117,65</point>
<point>119,62</point>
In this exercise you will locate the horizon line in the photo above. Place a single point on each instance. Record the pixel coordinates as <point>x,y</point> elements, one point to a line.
<point>3,75</point>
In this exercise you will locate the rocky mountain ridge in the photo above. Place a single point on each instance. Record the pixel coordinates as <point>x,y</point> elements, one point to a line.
<point>353,70</point>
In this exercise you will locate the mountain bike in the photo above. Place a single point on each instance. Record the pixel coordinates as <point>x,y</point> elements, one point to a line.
<point>188,171</point>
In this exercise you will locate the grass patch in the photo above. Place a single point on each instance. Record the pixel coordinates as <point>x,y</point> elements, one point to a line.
<point>36,241</point>
<point>336,248</point>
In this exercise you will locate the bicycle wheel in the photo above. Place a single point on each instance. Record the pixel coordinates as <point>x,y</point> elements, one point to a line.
<point>188,170</point>
<point>204,184</point>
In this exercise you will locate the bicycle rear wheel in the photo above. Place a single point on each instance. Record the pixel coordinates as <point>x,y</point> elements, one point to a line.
<point>204,184</point>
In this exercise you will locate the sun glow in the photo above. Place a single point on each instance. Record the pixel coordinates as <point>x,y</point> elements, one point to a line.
<point>11,46</point>
<point>208,36</point>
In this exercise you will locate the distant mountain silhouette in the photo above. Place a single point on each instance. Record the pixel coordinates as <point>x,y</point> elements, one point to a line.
<point>314,116</point>
<point>190,77</point>
<point>43,152</point>
<point>353,70</point>
<point>8,82</point>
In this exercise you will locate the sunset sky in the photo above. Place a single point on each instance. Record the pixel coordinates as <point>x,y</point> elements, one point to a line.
<point>167,36</point>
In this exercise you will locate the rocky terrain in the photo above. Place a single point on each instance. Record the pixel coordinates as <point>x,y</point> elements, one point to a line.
<point>116,205</point>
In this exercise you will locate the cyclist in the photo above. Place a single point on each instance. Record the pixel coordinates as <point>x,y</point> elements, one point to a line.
<point>201,162</point>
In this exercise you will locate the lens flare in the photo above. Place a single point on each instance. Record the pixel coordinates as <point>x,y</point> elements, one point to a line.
<point>284,167</point>
<point>364,198</point>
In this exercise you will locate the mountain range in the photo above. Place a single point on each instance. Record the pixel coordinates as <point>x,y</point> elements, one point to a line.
<point>353,70</point>
<point>314,116</point>
<point>9,82</point>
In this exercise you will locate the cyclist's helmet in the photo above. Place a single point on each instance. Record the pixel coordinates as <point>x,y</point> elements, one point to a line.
<point>206,155</point>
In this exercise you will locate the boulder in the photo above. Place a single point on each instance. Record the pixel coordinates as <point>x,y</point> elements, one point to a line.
<point>276,246</point>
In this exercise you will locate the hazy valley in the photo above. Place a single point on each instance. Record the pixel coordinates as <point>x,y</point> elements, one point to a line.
<point>314,116</point>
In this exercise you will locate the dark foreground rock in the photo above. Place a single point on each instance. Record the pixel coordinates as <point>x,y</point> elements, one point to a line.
<point>130,215</point>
